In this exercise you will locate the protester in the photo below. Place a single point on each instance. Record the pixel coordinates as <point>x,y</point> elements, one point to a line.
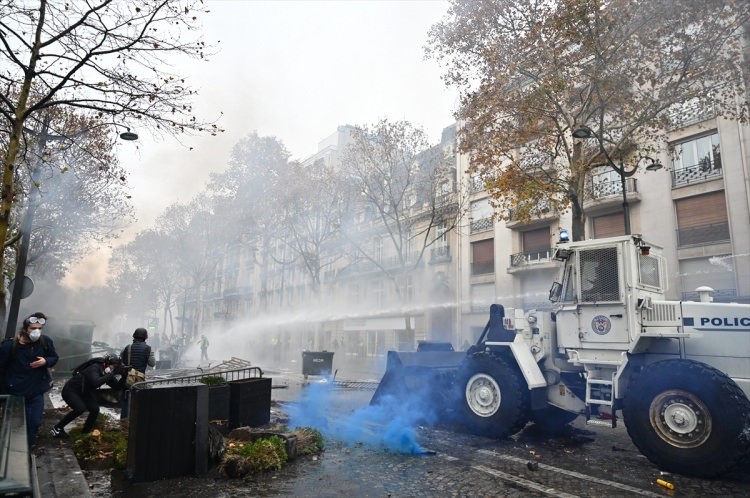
<point>79,392</point>
<point>204,348</point>
<point>139,356</point>
<point>25,362</point>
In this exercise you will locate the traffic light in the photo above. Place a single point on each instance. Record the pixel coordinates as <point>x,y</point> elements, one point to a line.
<point>153,323</point>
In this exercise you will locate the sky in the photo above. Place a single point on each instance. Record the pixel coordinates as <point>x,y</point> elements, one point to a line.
<point>294,70</point>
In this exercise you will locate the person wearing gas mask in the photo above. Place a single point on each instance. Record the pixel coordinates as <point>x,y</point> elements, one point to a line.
<point>79,392</point>
<point>24,364</point>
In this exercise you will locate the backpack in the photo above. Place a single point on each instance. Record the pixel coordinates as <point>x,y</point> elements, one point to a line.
<point>83,366</point>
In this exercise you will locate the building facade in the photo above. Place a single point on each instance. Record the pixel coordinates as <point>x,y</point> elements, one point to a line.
<point>697,207</point>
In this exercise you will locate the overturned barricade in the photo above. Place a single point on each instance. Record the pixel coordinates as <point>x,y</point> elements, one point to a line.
<point>169,418</point>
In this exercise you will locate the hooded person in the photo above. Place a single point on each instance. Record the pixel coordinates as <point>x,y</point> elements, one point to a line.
<point>79,392</point>
<point>24,364</point>
<point>138,356</point>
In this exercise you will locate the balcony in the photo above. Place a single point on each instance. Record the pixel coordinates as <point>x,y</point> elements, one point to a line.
<point>476,185</point>
<point>706,170</point>
<point>603,189</point>
<point>525,259</point>
<point>239,291</point>
<point>546,214</point>
<point>440,254</point>
<point>713,233</point>
<point>483,225</point>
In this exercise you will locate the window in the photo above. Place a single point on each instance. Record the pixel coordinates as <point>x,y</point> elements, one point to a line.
<point>697,159</point>
<point>608,225</point>
<point>476,184</point>
<point>536,240</point>
<point>600,280</point>
<point>379,293</point>
<point>702,219</point>
<point>354,294</point>
<point>407,289</point>
<point>378,250</point>
<point>441,234</point>
<point>483,257</point>
<point>481,216</point>
<point>716,272</point>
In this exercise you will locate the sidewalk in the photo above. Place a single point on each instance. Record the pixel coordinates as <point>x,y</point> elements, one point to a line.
<point>57,469</point>
<point>58,472</point>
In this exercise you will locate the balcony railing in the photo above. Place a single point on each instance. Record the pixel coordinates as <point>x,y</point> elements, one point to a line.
<point>543,211</point>
<point>482,225</point>
<point>704,171</point>
<point>719,295</point>
<point>476,185</point>
<point>602,189</point>
<point>242,290</point>
<point>440,254</point>
<point>713,233</point>
<point>531,257</point>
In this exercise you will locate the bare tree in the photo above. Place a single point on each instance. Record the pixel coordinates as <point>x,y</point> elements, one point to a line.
<point>531,73</point>
<point>105,56</point>
<point>246,195</point>
<point>406,190</point>
<point>313,201</point>
<point>146,272</point>
<point>79,188</point>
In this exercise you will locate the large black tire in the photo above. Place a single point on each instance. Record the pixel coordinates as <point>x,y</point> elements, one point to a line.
<point>494,399</point>
<point>552,419</point>
<point>687,417</point>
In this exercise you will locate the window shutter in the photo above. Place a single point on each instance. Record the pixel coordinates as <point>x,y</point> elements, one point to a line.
<point>609,225</point>
<point>700,210</point>
<point>534,240</point>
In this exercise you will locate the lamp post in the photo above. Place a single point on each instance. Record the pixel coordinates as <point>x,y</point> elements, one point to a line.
<point>586,132</point>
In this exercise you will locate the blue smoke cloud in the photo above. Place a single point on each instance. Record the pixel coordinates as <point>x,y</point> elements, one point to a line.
<point>389,425</point>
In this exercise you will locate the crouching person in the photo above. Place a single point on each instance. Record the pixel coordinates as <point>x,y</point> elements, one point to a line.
<point>79,392</point>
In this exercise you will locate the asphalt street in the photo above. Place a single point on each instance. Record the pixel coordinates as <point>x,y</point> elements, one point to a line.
<point>581,461</point>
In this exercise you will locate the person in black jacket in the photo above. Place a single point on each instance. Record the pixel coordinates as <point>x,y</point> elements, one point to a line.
<point>79,392</point>
<point>137,355</point>
<point>24,363</point>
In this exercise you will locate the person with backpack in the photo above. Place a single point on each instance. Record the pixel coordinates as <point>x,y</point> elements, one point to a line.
<point>25,362</point>
<point>79,392</point>
<point>138,356</point>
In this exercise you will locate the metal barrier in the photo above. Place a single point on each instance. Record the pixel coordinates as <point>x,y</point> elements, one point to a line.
<point>227,375</point>
<point>15,471</point>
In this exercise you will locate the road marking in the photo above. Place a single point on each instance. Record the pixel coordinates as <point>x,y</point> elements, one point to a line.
<point>522,482</point>
<point>572,473</point>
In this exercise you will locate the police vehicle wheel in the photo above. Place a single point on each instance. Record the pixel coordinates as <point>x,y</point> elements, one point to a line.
<point>495,401</point>
<point>687,417</point>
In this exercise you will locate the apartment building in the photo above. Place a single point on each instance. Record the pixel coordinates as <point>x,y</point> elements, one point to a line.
<point>697,207</point>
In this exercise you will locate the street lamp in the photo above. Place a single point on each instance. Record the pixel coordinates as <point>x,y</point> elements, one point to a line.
<point>586,132</point>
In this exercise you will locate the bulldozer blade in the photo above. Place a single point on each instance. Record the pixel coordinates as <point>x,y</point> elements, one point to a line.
<point>423,377</point>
